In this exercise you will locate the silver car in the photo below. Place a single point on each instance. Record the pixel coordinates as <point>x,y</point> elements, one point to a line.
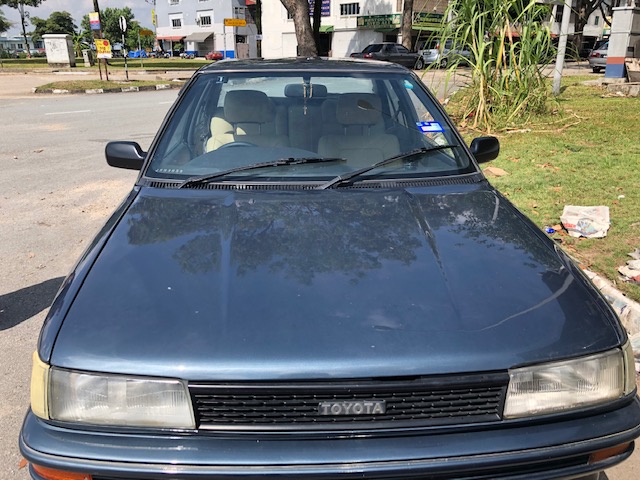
<point>434,51</point>
<point>598,56</point>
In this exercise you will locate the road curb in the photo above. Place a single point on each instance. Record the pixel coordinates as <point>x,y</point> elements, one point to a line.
<point>94,91</point>
<point>628,310</point>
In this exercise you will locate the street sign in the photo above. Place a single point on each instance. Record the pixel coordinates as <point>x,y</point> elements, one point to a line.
<point>235,22</point>
<point>103,48</point>
<point>123,24</point>
<point>94,21</point>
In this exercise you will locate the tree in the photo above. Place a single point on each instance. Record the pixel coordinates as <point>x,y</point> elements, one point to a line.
<point>58,22</point>
<point>109,21</point>
<point>81,40</point>
<point>317,19</point>
<point>24,15</point>
<point>407,23</point>
<point>299,11</point>
<point>583,10</point>
<point>4,23</point>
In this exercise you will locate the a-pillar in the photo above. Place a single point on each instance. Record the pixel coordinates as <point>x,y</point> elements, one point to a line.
<point>624,41</point>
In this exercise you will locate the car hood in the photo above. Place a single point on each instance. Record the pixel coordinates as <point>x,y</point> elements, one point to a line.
<point>247,285</point>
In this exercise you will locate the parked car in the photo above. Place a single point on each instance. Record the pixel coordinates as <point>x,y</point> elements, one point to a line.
<point>598,56</point>
<point>389,52</point>
<point>214,55</point>
<point>441,53</point>
<point>312,278</point>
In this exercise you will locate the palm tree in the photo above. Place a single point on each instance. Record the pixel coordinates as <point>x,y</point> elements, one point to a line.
<point>79,41</point>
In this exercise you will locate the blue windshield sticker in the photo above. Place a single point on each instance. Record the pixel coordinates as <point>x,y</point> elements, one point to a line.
<point>408,84</point>
<point>429,127</point>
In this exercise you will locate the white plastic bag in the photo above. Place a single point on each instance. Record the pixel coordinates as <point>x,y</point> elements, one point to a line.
<point>590,222</point>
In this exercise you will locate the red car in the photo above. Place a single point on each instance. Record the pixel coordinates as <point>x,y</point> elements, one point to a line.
<point>214,56</point>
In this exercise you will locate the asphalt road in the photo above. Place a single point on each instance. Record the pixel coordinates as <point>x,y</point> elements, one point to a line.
<point>56,191</point>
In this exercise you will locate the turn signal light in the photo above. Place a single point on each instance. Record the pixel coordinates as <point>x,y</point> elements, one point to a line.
<point>609,452</point>
<point>53,474</point>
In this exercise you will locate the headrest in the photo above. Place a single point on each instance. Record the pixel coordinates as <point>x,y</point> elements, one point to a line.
<point>297,90</point>
<point>248,106</point>
<point>348,111</point>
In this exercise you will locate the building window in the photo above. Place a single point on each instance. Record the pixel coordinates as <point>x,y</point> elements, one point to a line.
<point>176,20</point>
<point>596,21</point>
<point>559,13</point>
<point>174,2</point>
<point>349,9</point>
<point>205,19</point>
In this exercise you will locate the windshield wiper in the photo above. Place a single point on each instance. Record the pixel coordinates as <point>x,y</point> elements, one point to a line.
<point>340,179</point>
<point>203,179</point>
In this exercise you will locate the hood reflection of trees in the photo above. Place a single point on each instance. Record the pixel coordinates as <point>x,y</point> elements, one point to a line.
<point>307,234</point>
<point>299,236</point>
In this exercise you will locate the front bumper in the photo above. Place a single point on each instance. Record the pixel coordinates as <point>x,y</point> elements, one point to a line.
<point>543,450</point>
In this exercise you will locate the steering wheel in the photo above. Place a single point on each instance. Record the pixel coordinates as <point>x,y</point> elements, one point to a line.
<point>237,144</point>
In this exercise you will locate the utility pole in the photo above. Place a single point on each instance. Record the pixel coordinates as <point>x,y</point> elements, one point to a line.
<point>562,46</point>
<point>96,8</point>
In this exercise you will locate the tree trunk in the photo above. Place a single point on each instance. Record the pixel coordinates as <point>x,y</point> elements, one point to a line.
<point>583,10</point>
<point>407,22</point>
<point>24,28</point>
<point>317,18</point>
<point>299,11</point>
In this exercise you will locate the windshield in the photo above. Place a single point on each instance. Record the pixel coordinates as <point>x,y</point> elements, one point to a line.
<point>376,47</point>
<point>225,122</point>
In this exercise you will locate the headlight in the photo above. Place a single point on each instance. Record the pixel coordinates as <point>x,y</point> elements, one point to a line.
<point>560,386</point>
<point>103,399</point>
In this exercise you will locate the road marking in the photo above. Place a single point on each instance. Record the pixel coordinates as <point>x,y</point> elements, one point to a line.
<point>67,113</point>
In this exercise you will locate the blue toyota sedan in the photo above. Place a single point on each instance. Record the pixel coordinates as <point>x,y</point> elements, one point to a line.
<point>312,279</point>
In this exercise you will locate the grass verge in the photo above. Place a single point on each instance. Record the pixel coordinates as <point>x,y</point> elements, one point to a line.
<point>82,85</point>
<point>114,63</point>
<point>585,153</point>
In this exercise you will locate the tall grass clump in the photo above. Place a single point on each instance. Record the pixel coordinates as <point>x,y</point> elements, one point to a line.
<point>510,46</point>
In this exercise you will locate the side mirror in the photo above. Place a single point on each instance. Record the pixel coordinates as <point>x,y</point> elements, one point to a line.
<point>485,149</point>
<point>127,155</point>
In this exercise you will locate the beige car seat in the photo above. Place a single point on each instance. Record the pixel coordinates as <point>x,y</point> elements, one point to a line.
<point>362,141</point>
<point>249,116</point>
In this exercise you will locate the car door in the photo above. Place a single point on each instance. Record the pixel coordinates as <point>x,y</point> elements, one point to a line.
<point>405,57</point>
<point>387,53</point>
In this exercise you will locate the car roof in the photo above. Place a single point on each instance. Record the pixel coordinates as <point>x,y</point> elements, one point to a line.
<point>301,64</point>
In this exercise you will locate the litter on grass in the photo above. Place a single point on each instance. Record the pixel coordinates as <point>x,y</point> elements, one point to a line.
<point>589,222</point>
<point>631,271</point>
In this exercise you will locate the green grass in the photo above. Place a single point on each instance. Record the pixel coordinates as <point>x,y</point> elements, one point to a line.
<point>586,153</point>
<point>114,63</point>
<point>81,85</point>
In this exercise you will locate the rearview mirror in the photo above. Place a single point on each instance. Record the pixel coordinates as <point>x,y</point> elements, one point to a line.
<point>485,149</point>
<point>127,155</point>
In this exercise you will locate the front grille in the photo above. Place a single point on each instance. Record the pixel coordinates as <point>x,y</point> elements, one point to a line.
<point>297,406</point>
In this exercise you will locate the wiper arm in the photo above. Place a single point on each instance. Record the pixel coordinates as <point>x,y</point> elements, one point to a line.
<point>340,179</point>
<point>203,179</point>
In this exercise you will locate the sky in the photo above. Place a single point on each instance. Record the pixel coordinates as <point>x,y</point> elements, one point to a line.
<point>78,8</point>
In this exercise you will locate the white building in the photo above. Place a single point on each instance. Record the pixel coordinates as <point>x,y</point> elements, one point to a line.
<point>199,26</point>
<point>594,30</point>
<point>12,44</point>
<point>346,26</point>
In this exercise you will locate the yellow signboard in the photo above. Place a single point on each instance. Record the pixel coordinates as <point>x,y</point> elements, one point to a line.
<point>103,48</point>
<point>145,32</point>
<point>235,22</point>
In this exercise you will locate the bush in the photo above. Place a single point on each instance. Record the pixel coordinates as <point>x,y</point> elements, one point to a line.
<point>510,46</point>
